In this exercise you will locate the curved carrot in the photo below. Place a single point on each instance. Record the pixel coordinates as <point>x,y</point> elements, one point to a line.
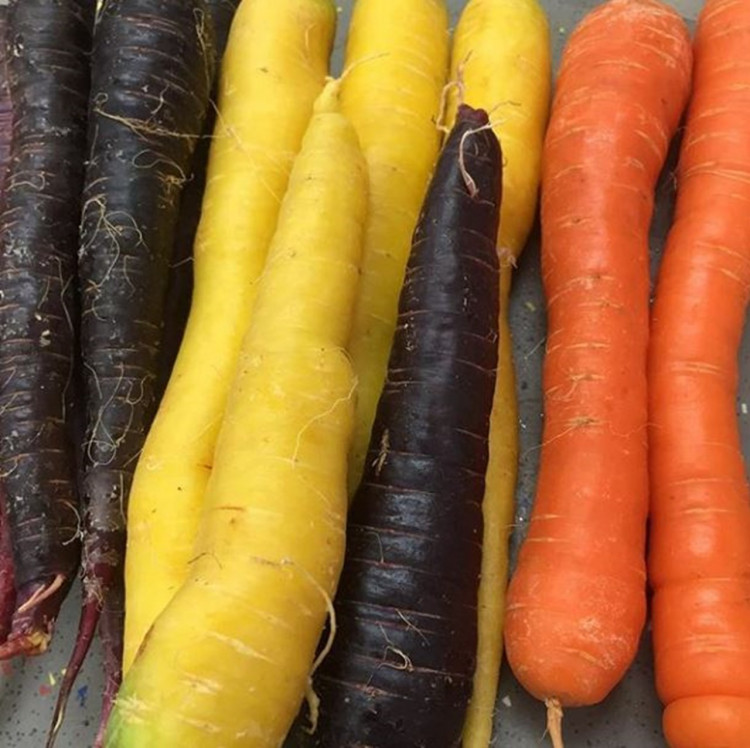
<point>699,561</point>
<point>248,172</point>
<point>228,661</point>
<point>577,602</point>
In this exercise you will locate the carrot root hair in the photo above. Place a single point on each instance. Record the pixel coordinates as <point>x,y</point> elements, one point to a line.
<point>471,185</point>
<point>460,86</point>
<point>357,63</point>
<point>554,722</point>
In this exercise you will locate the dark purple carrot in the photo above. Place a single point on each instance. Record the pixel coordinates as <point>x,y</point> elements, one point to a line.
<point>48,74</point>
<point>6,110</point>
<point>7,587</point>
<point>180,288</point>
<point>7,584</point>
<point>151,71</point>
<point>402,662</point>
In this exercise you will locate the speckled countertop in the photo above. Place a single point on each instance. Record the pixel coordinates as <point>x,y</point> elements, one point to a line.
<point>630,718</point>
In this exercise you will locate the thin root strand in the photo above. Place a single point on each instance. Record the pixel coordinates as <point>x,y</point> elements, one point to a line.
<point>554,722</point>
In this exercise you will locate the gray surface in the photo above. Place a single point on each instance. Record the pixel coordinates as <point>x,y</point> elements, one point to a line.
<point>630,718</point>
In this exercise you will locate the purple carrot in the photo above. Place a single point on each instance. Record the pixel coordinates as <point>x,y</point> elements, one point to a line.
<point>401,666</point>
<point>152,67</point>
<point>7,587</point>
<point>48,77</point>
<point>6,111</point>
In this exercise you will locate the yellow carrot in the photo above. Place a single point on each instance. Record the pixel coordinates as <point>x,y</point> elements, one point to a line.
<point>229,660</point>
<point>501,56</point>
<point>396,63</point>
<point>275,66</point>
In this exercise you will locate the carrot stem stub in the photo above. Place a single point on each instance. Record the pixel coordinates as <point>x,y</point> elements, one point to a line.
<point>577,602</point>
<point>699,560</point>
<point>402,662</point>
<point>49,86</point>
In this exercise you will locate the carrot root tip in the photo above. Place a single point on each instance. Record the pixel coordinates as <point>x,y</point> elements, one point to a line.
<point>86,629</point>
<point>554,722</point>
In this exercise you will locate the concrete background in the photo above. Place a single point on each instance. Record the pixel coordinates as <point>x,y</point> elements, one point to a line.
<point>630,717</point>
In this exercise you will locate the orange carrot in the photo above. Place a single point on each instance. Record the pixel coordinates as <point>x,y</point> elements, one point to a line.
<point>699,562</point>
<point>577,602</point>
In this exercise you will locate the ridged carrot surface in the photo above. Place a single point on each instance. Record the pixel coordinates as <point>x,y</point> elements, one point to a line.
<point>577,602</point>
<point>699,562</point>
<point>399,673</point>
<point>274,67</point>
<point>501,54</point>
<point>229,660</point>
<point>396,63</point>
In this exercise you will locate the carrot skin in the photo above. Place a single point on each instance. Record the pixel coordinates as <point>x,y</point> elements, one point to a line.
<point>49,86</point>
<point>577,601</point>
<point>227,661</point>
<point>222,13</point>
<point>145,119</point>
<point>402,662</point>
<point>699,555</point>
<point>720,716</point>
<point>7,586</point>
<point>124,280</point>
<point>111,633</point>
<point>6,109</point>
<point>180,288</point>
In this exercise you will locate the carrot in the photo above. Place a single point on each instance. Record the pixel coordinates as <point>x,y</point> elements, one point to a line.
<point>179,290</point>
<point>396,63</point>
<point>7,587</point>
<point>49,85</point>
<point>501,61</point>
<point>577,601</point>
<point>399,672</point>
<point>145,118</point>
<point>228,661</point>
<point>275,66</point>
<point>6,109</point>
<point>699,563</point>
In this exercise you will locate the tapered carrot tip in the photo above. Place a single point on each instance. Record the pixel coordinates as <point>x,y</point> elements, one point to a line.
<point>708,722</point>
<point>86,630</point>
<point>554,722</point>
<point>476,117</point>
<point>328,99</point>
